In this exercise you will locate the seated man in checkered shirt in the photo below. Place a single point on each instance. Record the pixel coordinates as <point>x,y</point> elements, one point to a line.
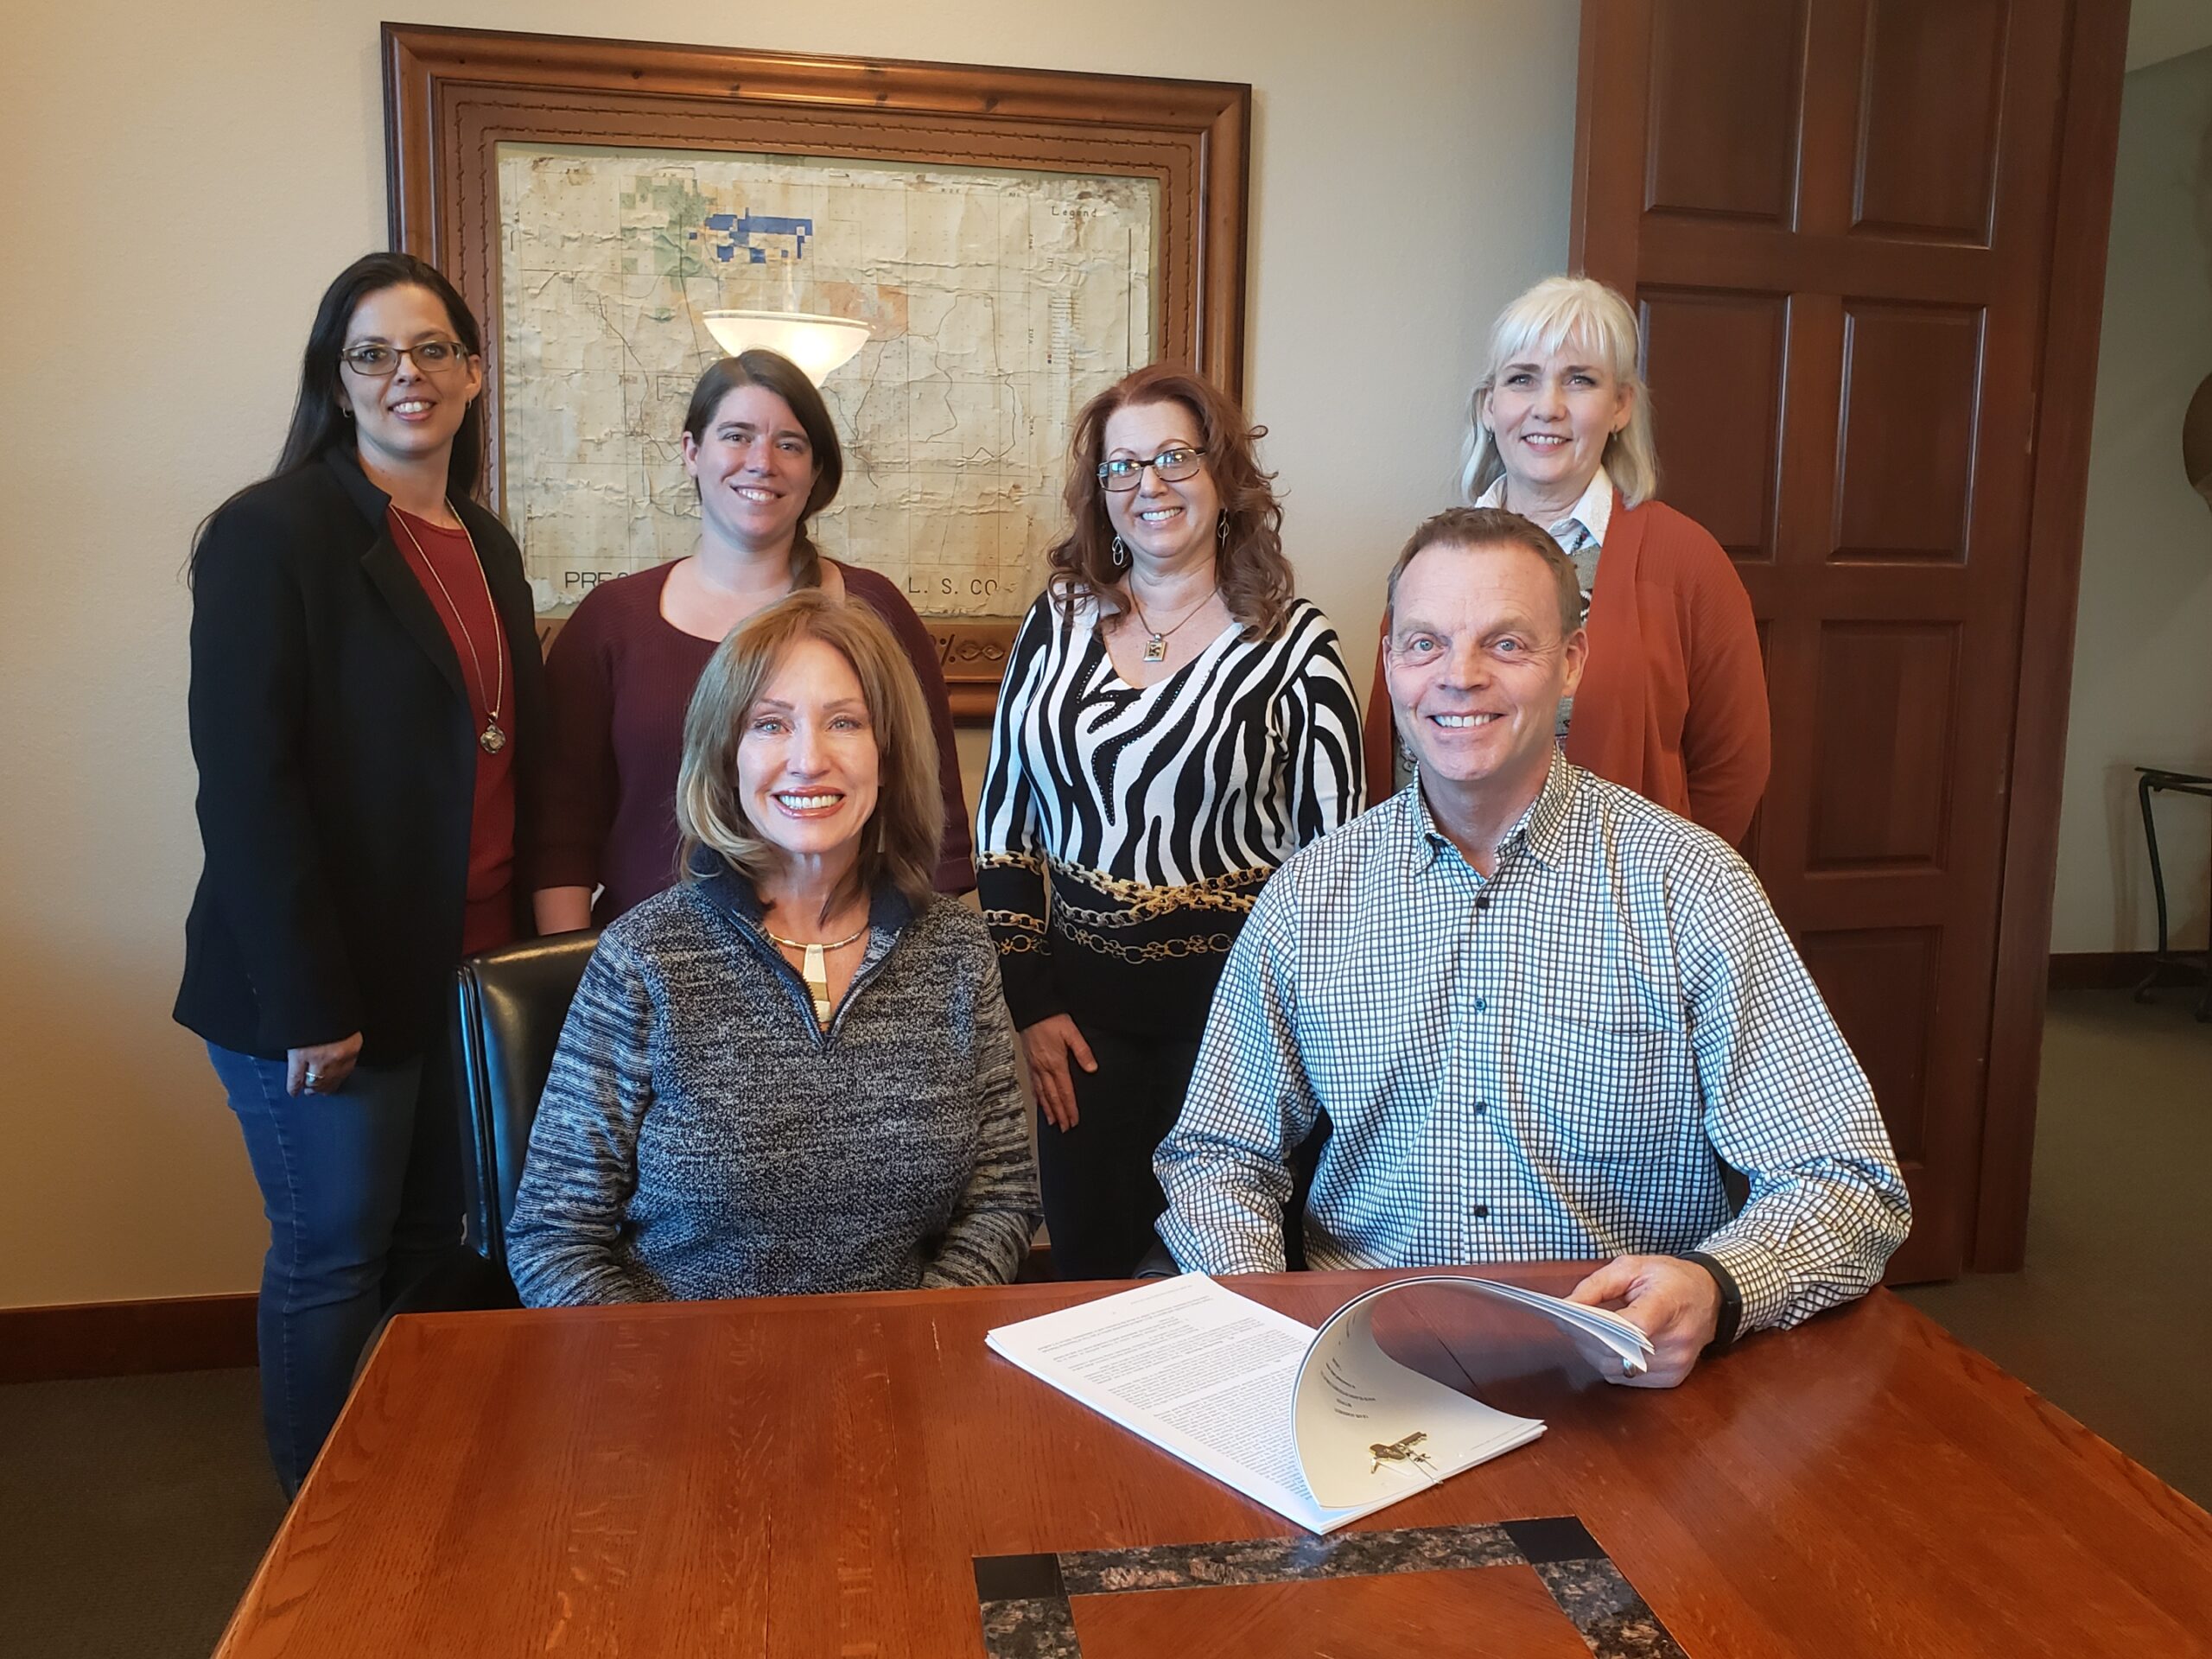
<point>1542,1013</point>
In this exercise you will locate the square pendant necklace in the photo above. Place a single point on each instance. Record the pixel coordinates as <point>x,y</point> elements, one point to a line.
<point>1155,644</point>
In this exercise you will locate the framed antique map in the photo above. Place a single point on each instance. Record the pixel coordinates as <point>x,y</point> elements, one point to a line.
<point>1015,239</point>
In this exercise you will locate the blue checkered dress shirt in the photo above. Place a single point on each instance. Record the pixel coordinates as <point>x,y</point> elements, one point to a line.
<point>1556,1062</point>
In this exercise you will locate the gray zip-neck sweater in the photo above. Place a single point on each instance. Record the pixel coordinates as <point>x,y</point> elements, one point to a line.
<point>701,1136</point>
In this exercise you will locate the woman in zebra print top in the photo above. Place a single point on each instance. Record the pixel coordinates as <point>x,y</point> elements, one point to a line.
<point>1173,724</point>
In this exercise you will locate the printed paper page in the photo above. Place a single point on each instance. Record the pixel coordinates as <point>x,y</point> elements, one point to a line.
<point>1363,1420</point>
<point>1369,1428</point>
<point>1605,1338</point>
<point>1197,1370</point>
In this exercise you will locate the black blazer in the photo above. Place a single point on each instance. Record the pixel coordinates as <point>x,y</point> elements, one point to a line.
<point>337,761</point>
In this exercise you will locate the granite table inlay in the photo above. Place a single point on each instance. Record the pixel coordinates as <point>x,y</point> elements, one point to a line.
<point>1025,1599</point>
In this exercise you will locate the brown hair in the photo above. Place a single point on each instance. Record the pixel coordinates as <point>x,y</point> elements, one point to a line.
<point>899,843</point>
<point>1255,578</point>
<point>773,372</point>
<point>1490,527</point>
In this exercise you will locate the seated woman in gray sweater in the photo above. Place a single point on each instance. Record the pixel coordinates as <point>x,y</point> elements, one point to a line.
<point>793,1072</point>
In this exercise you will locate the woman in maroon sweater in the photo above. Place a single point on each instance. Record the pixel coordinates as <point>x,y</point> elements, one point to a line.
<point>759,444</point>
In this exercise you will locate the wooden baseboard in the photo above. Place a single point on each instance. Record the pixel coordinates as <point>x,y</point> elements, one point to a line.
<point>2108,972</point>
<point>2099,970</point>
<point>176,1334</point>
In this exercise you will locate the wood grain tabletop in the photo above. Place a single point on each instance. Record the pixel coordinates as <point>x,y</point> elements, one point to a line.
<point>859,1475</point>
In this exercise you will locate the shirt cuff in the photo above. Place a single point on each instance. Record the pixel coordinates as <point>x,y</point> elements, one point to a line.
<point>1219,1251</point>
<point>1759,1276</point>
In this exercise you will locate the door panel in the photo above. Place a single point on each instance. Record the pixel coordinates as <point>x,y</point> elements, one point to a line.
<point>1881,766</point>
<point>1912,385</point>
<point>1725,471</point>
<point>1881,983</point>
<point>1836,219</point>
<point>1931,90</point>
<point>1723,129</point>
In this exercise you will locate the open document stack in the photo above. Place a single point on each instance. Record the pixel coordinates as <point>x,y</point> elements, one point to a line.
<point>1322,1426</point>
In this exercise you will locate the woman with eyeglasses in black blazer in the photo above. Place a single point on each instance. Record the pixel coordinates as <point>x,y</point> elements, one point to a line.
<point>365,691</point>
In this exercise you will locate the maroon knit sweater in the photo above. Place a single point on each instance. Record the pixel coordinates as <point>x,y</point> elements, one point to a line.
<point>619,678</point>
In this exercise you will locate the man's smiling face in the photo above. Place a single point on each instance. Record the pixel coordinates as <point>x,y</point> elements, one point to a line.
<point>1477,663</point>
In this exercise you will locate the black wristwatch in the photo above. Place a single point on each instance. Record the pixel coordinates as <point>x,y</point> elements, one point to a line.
<point>1732,1302</point>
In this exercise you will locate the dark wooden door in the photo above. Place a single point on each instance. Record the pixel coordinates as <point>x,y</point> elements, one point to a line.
<point>1838,220</point>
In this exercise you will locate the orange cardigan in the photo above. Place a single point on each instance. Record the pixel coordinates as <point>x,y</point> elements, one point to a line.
<point>1673,699</point>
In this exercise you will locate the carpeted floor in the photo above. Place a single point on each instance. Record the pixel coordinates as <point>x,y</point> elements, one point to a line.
<point>2111,1317</point>
<point>133,1510</point>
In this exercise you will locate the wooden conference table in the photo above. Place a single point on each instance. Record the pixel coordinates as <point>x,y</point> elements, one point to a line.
<point>858,1475</point>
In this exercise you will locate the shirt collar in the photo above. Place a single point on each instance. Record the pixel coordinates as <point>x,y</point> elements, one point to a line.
<point>1426,843</point>
<point>1544,824</point>
<point>1593,511</point>
<point>1541,829</point>
<point>731,892</point>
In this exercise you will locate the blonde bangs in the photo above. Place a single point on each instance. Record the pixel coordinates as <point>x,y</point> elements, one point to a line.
<point>1556,312</point>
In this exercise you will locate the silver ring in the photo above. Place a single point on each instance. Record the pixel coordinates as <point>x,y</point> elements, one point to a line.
<point>314,1077</point>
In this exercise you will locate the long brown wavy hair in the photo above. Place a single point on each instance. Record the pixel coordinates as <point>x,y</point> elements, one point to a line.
<point>1255,578</point>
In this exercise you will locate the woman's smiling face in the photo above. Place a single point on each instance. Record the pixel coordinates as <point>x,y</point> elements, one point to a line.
<point>1551,418</point>
<point>1164,524</point>
<point>808,764</point>
<point>407,415</point>
<point>755,467</point>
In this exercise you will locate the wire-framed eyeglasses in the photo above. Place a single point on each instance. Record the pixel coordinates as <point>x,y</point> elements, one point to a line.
<point>374,360</point>
<point>1173,465</point>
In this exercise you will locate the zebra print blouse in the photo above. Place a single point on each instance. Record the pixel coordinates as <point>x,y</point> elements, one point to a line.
<point>1151,815</point>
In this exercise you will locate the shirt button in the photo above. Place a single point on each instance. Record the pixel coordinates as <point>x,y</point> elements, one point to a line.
<point>1481,1106</point>
<point>1481,1210</point>
<point>1481,1005</point>
<point>1483,902</point>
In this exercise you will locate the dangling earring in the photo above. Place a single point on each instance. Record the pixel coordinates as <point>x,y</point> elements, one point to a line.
<point>1221,531</point>
<point>1121,552</point>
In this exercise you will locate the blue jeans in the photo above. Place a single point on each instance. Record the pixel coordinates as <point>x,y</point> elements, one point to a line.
<point>362,1189</point>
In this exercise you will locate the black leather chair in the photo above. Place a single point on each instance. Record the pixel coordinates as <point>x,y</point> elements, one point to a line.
<point>509,1005</point>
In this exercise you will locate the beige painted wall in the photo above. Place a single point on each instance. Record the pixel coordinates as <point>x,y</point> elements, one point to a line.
<point>2142,689</point>
<point>182,181</point>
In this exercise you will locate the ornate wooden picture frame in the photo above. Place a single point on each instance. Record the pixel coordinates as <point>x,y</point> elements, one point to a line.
<point>454,97</point>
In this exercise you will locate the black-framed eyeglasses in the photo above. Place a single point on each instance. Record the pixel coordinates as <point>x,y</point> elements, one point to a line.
<point>375,361</point>
<point>1173,465</point>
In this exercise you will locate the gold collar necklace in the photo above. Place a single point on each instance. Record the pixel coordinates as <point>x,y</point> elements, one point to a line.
<point>815,970</point>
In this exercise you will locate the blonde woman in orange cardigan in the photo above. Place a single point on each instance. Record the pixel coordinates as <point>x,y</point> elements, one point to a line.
<point>1673,703</point>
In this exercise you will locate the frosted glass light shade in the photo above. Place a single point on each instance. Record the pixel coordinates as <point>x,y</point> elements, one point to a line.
<point>820,346</point>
